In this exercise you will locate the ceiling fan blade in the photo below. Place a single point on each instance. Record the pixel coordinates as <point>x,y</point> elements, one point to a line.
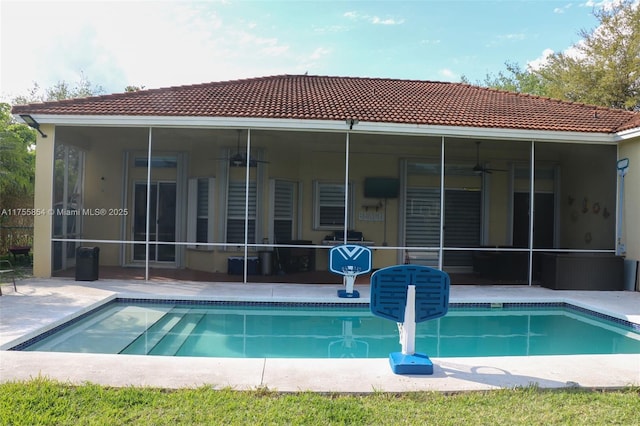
<point>479,168</point>
<point>239,158</point>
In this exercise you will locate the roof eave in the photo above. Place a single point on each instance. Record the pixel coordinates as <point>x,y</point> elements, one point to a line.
<point>628,134</point>
<point>332,126</point>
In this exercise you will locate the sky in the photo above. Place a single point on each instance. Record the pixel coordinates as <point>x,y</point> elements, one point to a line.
<point>166,43</point>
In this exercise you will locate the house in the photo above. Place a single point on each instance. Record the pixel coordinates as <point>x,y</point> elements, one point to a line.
<point>216,177</point>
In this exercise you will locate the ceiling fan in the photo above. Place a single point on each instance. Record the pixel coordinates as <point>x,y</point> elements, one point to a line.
<point>479,168</point>
<point>239,159</point>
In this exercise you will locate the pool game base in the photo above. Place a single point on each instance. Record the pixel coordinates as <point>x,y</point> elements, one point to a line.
<point>410,364</point>
<point>343,294</point>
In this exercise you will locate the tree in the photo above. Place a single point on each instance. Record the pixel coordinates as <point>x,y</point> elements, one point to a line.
<point>132,88</point>
<point>61,90</point>
<point>17,154</point>
<point>17,141</point>
<point>17,175</point>
<point>515,79</point>
<point>604,69</point>
<point>17,159</point>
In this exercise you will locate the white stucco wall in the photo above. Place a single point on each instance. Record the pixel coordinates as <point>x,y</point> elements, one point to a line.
<point>631,211</point>
<point>42,223</point>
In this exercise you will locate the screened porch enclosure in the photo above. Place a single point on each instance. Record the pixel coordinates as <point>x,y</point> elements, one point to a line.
<point>265,205</point>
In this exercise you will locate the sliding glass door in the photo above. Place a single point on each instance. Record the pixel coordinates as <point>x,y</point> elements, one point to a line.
<point>162,220</point>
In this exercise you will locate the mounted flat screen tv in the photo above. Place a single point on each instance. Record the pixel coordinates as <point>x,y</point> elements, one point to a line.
<point>381,187</point>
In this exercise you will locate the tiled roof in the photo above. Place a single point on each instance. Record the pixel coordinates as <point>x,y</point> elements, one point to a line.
<point>341,98</point>
<point>631,124</point>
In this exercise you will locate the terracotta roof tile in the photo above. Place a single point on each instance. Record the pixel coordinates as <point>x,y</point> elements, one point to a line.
<point>631,124</point>
<point>340,98</point>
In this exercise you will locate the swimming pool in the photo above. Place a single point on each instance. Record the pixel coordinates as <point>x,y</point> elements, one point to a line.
<point>268,330</point>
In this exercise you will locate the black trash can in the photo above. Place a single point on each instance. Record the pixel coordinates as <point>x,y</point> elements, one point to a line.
<point>87,259</point>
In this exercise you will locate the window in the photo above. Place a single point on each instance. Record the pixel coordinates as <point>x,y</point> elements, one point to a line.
<point>283,210</point>
<point>200,206</point>
<point>236,212</point>
<point>157,162</point>
<point>329,206</point>
<point>68,191</point>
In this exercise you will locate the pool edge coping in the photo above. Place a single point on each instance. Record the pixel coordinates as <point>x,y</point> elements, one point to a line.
<point>18,344</point>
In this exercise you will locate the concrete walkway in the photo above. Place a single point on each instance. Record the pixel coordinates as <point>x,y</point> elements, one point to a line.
<point>46,303</point>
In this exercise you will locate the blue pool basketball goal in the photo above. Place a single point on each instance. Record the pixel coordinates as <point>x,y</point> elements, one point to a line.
<point>349,260</point>
<point>409,294</point>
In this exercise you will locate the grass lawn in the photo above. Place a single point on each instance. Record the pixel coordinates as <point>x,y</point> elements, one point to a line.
<point>45,402</point>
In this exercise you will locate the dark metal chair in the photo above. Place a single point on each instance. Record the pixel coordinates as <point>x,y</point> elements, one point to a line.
<point>6,269</point>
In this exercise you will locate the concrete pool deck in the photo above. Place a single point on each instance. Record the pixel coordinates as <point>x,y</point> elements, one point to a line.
<point>42,303</point>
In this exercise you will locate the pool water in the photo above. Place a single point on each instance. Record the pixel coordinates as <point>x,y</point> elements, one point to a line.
<point>179,329</point>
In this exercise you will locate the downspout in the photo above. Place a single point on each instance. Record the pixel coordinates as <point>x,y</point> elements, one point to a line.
<point>622,165</point>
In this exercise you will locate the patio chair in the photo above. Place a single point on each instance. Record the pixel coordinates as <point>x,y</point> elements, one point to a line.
<point>6,269</point>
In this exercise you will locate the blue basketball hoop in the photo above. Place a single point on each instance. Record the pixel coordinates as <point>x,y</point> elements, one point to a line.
<point>409,294</point>
<point>349,260</point>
